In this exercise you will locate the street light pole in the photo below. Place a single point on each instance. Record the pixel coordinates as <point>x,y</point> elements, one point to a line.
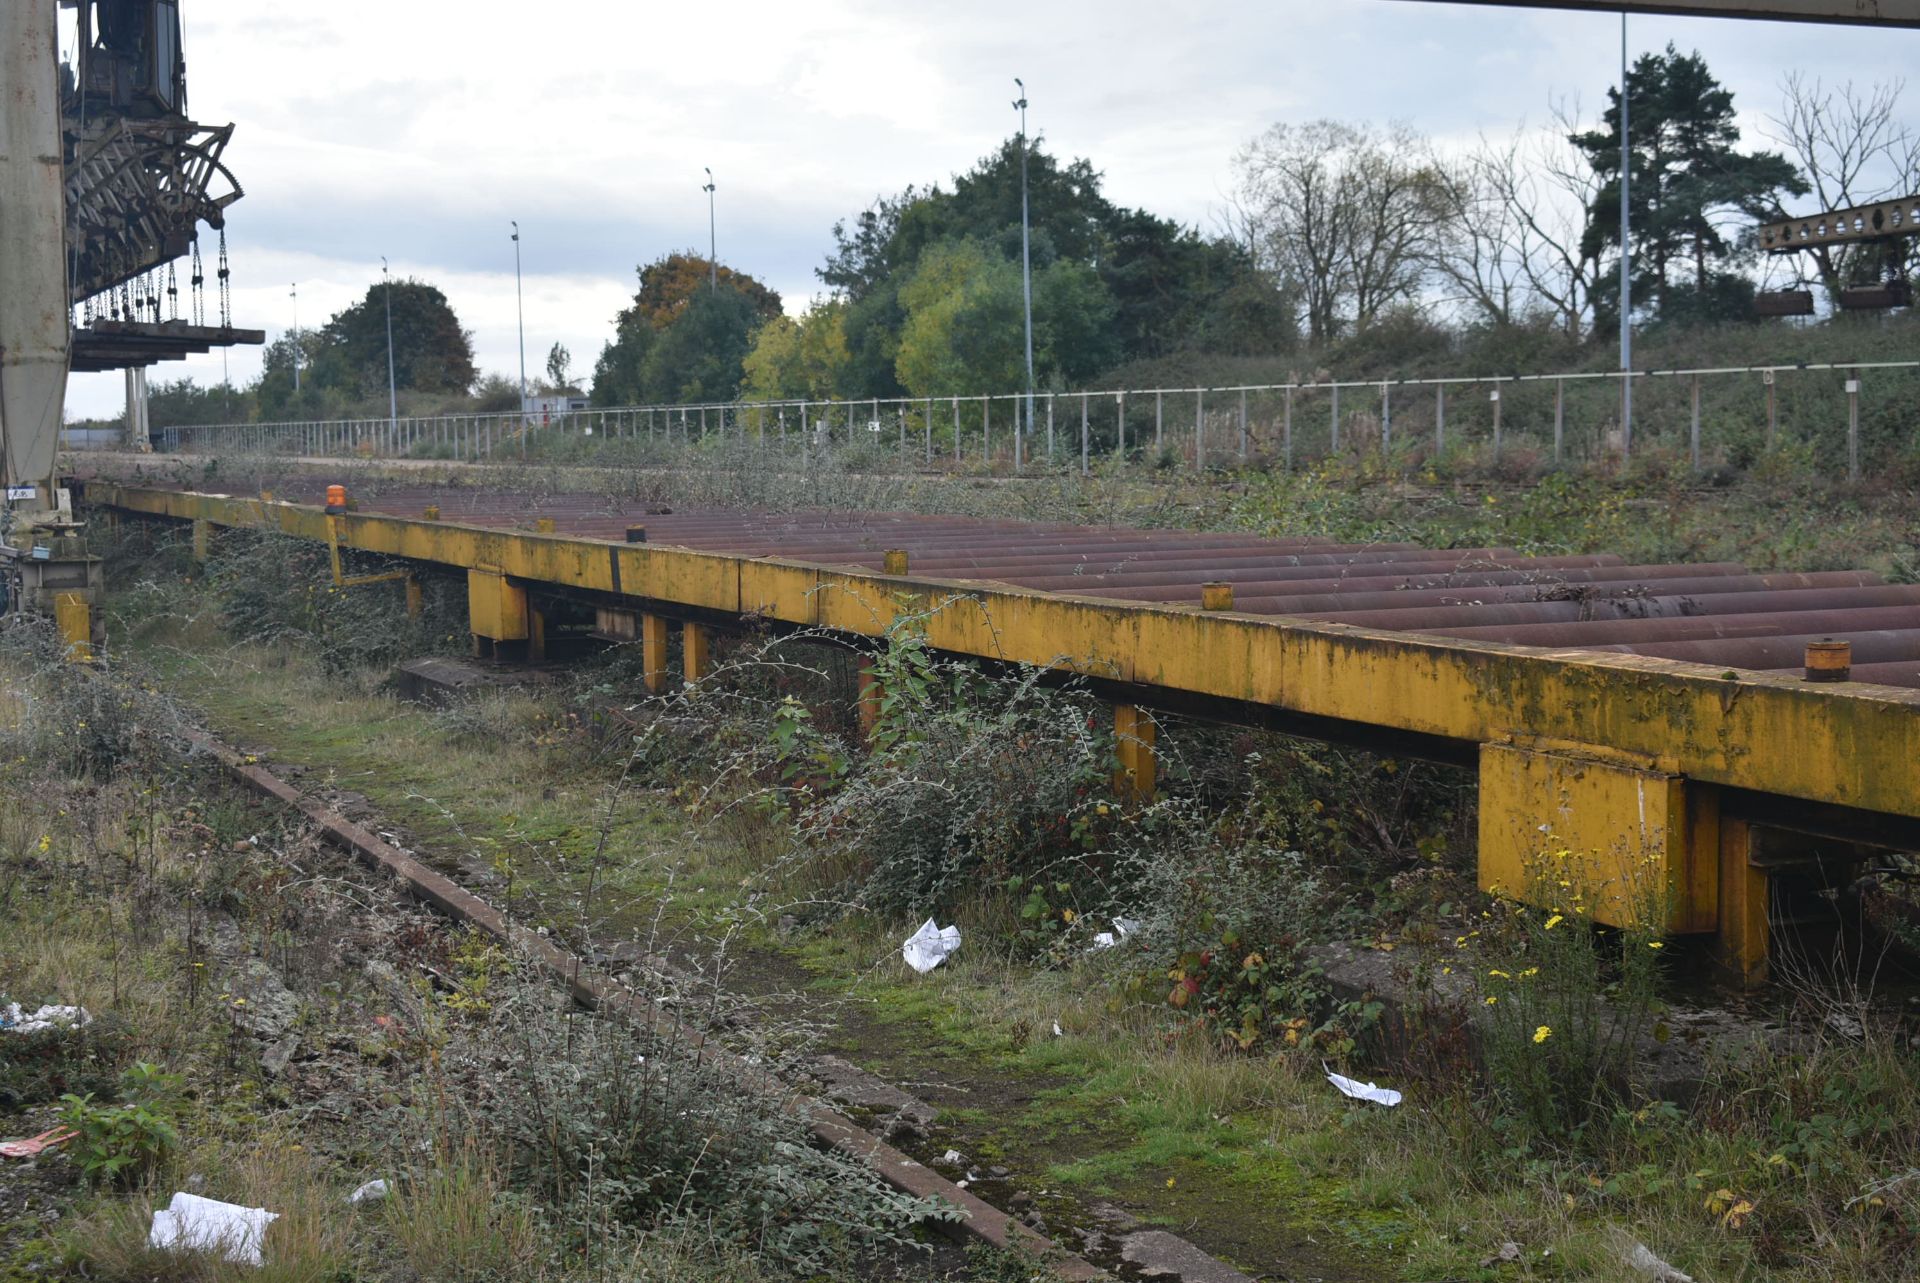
<point>1626,259</point>
<point>1026,264</point>
<point>393,403</point>
<point>294,294</point>
<point>520,311</point>
<point>713,263</point>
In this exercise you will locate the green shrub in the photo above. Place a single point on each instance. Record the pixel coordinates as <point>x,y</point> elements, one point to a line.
<point>121,1143</point>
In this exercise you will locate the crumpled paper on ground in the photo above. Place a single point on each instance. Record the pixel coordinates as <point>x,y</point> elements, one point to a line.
<point>15,1020</point>
<point>194,1224</point>
<point>372,1192</point>
<point>1363,1091</point>
<point>1122,928</point>
<point>930,946</point>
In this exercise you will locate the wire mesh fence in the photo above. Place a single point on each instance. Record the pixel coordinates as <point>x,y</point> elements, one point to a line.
<point>1843,418</point>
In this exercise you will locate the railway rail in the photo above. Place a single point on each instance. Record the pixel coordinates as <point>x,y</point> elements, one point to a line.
<point>1653,720</point>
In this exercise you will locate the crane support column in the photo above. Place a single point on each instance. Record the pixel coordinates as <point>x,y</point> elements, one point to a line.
<point>34,338</point>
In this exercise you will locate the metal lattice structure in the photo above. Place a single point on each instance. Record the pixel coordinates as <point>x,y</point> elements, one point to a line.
<point>137,193</point>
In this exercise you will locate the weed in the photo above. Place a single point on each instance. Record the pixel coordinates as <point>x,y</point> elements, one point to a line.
<point>121,1143</point>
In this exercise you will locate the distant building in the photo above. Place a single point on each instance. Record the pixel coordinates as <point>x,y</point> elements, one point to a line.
<point>548,406</point>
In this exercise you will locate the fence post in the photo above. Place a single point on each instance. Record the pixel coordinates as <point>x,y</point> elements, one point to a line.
<point>926,429</point>
<point>986,431</point>
<point>1243,425</point>
<point>1495,398</point>
<point>1157,435</point>
<point>1335,420</point>
<point>1439,419</point>
<point>956,429</point>
<point>1083,434</point>
<point>1853,427</point>
<point>1120,421</point>
<point>1560,414</point>
<point>1693,426</point>
<point>1386,420</point>
<point>1286,429</point>
<point>1199,430</point>
<point>1049,427</point>
<point>1773,422</point>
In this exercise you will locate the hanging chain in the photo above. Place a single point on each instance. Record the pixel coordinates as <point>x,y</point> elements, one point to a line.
<point>226,285</point>
<point>198,282</point>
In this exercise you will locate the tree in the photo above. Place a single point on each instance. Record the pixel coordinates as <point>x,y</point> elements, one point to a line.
<point>1853,150</point>
<point>625,372</point>
<point>964,331</point>
<point>431,353</point>
<point>699,357</point>
<point>799,359</point>
<point>1158,283</point>
<point>1689,192</point>
<point>1345,214</point>
<point>669,282</point>
<point>559,369</point>
<point>1515,214</point>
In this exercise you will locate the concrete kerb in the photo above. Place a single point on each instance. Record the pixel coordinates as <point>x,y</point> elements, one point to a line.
<point>980,1221</point>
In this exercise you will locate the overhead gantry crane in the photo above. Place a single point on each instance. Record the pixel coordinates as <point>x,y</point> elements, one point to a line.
<point>104,183</point>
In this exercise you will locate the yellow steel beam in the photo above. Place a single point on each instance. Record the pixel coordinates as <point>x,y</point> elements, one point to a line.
<point>1852,745</point>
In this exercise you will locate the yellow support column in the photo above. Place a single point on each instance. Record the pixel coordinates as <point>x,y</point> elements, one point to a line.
<point>1134,733</point>
<point>202,538</point>
<point>74,618</point>
<point>653,652</point>
<point>536,636</point>
<point>416,601</point>
<point>1741,941</point>
<point>496,607</point>
<point>696,659</point>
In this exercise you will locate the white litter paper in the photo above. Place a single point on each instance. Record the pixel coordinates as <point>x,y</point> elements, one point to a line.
<point>1122,928</point>
<point>194,1224</point>
<point>371,1192</point>
<point>1363,1091</point>
<point>930,946</point>
<point>15,1020</point>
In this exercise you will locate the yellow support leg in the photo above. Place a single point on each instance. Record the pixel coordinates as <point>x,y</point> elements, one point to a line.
<point>416,600</point>
<point>1134,734</point>
<point>695,652</point>
<point>496,607</point>
<point>1741,941</point>
<point>536,636</point>
<point>203,539</point>
<point>653,652</point>
<point>75,620</point>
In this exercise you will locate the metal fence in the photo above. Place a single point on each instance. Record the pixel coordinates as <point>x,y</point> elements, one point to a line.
<point>1842,416</point>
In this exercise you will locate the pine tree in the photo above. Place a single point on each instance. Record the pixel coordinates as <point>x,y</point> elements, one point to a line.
<point>1691,193</point>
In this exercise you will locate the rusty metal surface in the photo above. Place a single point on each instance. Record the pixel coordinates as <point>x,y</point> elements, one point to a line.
<point>1713,613</point>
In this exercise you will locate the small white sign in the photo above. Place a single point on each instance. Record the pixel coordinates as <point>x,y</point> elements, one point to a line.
<point>20,492</point>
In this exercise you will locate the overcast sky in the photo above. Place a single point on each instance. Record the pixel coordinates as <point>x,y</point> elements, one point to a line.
<point>417,128</point>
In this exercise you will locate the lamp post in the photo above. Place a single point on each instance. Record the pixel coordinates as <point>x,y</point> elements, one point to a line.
<point>1026,264</point>
<point>1626,260</point>
<point>520,312</point>
<point>294,294</point>
<point>713,263</point>
<point>393,403</point>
